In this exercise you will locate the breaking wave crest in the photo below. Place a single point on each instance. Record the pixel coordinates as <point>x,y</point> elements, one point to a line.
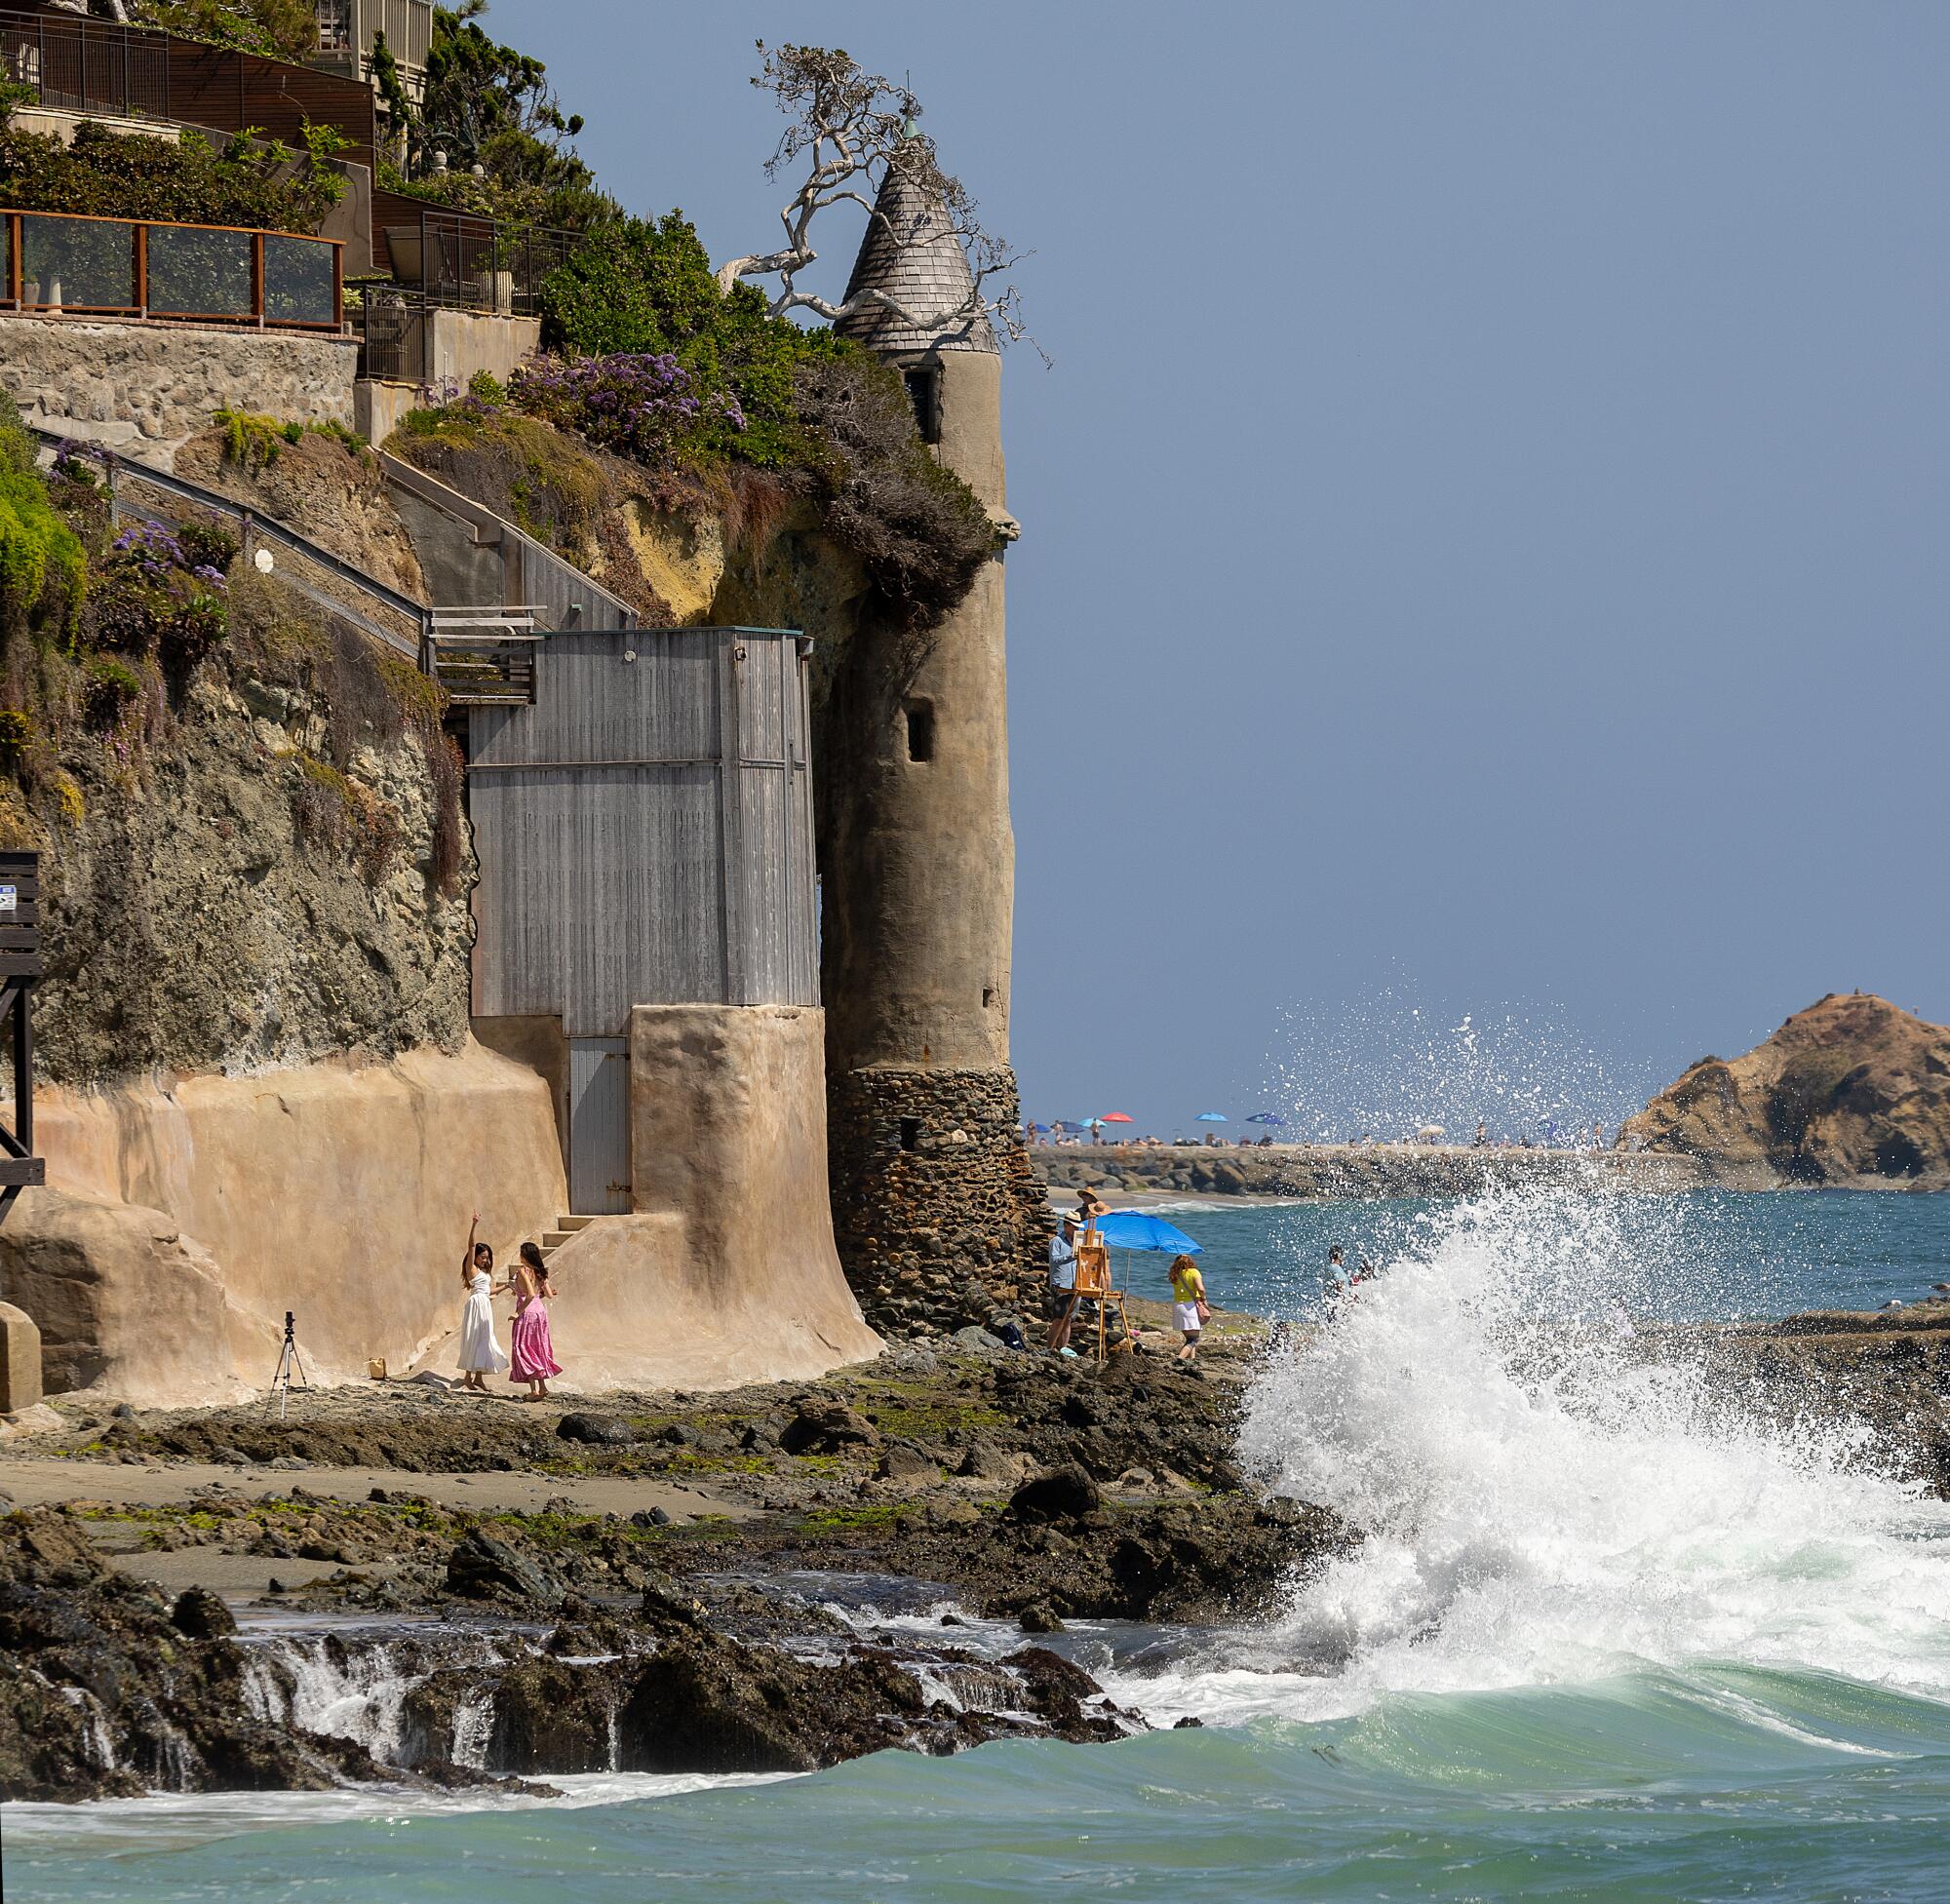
<point>1547,1499</point>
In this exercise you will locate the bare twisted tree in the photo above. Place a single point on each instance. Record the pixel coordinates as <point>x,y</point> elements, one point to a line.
<point>849,131</point>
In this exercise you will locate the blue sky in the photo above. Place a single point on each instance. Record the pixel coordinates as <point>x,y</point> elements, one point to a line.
<point>1484,531</point>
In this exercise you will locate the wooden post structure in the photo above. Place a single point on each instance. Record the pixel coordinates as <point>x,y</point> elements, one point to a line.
<point>20,967</point>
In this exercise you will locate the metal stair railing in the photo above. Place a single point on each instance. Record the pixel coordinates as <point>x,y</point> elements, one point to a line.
<point>262,530</point>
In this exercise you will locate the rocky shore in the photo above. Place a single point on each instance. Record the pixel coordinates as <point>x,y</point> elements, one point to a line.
<point>438,1590</point>
<point>409,1585</point>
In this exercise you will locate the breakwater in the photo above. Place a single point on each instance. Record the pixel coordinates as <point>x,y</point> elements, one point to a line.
<point>1354,1170</point>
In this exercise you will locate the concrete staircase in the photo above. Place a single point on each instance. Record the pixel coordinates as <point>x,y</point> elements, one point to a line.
<point>564,1229</point>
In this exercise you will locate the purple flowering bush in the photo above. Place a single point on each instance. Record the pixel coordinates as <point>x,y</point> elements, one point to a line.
<point>643,404</point>
<point>164,592</point>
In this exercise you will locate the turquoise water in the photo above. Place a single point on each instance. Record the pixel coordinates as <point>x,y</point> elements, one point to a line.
<point>1697,1256</point>
<point>1608,1638</point>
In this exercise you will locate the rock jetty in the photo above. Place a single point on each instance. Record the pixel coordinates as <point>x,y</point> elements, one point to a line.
<point>1328,1171</point>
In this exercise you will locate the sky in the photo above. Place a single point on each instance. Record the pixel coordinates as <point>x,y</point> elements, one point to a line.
<point>1484,522</point>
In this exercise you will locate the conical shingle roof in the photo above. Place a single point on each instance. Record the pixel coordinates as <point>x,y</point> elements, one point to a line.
<point>911,252</point>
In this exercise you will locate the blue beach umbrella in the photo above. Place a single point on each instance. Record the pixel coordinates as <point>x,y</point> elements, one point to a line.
<point>1212,1118</point>
<point>1272,1118</point>
<point>1138,1229</point>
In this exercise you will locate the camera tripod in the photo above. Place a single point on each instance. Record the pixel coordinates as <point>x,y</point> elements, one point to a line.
<point>291,1369</point>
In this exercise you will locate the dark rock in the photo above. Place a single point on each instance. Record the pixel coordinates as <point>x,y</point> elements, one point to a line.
<point>201,1615</point>
<point>599,1430</point>
<point>825,1429</point>
<point>1040,1618</point>
<point>649,1516</point>
<point>1062,1494</point>
<point>666,1602</point>
<point>1188,1724</point>
<point>550,1717</point>
<point>902,1460</point>
<point>984,1461</point>
<point>482,1567</point>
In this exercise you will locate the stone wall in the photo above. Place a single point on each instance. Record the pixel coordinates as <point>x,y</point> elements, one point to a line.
<point>939,1217</point>
<point>148,387</point>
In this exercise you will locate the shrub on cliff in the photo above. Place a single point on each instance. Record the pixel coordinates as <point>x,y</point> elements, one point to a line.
<point>639,285</point>
<point>922,532</point>
<point>276,30</point>
<point>43,567</point>
<point>112,174</point>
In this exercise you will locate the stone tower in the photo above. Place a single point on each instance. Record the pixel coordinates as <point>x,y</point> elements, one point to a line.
<point>931,1187</point>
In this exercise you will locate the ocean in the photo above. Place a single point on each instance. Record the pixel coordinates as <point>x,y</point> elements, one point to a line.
<point>1608,1638</point>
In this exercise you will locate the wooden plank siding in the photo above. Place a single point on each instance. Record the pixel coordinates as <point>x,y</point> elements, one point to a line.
<point>227,89</point>
<point>644,831</point>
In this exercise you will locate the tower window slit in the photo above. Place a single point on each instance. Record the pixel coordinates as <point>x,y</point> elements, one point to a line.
<point>909,1133</point>
<point>921,730</point>
<point>924,393</point>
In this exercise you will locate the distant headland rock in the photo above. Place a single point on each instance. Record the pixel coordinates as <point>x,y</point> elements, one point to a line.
<point>1853,1092</point>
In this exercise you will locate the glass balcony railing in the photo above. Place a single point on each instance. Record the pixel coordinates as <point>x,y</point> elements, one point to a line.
<point>64,264</point>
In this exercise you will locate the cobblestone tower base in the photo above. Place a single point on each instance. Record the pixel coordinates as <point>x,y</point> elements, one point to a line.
<point>940,1217</point>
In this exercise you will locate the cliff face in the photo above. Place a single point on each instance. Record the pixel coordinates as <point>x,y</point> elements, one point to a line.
<point>1853,1091</point>
<point>275,877</point>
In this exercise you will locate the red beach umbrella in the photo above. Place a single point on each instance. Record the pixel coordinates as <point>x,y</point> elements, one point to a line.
<point>1116,1117</point>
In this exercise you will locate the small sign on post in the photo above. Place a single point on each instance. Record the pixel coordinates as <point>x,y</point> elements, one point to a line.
<point>10,899</point>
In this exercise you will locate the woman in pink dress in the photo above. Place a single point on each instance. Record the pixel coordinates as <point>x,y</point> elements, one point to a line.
<point>531,1351</point>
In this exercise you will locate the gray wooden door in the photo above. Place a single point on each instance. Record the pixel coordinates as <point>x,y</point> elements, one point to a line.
<point>599,1127</point>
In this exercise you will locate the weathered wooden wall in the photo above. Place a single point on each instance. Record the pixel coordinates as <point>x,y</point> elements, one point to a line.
<point>644,831</point>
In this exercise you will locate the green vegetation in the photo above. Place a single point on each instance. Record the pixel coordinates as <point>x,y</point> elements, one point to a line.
<point>276,30</point>
<point>101,635</point>
<point>490,105</point>
<point>113,175</point>
<point>43,567</point>
<point>256,440</point>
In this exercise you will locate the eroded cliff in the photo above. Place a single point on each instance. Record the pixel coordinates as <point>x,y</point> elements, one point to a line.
<point>1853,1091</point>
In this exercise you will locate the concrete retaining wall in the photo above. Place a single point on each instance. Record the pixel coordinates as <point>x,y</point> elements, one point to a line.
<point>184,1220</point>
<point>727,1274</point>
<point>151,386</point>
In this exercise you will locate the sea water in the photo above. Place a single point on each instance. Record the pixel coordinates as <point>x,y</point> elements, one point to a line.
<point>1611,1636</point>
<point>1691,1256</point>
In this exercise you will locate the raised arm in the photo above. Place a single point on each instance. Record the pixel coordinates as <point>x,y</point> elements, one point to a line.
<point>467,1255</point>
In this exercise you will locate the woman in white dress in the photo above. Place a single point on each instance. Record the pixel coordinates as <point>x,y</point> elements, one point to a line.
<point>481,1355</point>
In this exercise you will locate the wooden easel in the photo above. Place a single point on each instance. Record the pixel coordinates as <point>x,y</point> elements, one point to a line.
<point>1093,1284</point>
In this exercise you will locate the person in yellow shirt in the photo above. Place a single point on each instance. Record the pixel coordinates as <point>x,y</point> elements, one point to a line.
<point>1190,1310</point>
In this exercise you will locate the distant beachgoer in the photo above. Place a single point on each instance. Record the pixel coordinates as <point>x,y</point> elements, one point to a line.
<point>1190,1310</point>
<point>1337,1275</point>
<point>533,1351</point>
<point>1482,1135</point>
<point>1063,1296</point>
<point>481,1354</point>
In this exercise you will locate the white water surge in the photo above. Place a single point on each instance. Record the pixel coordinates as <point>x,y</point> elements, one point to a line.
<point>1547,1502</point>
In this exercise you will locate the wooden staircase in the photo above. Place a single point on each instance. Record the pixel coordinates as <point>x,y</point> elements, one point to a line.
<point>484,657</point>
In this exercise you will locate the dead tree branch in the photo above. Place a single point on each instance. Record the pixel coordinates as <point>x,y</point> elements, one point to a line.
<point>847,130</point>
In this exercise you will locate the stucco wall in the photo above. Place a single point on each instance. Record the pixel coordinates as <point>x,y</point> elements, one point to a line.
<point>342,1193</point>
<point>727,1131</point>
<point>461,342</point>
<point>148,387</point>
